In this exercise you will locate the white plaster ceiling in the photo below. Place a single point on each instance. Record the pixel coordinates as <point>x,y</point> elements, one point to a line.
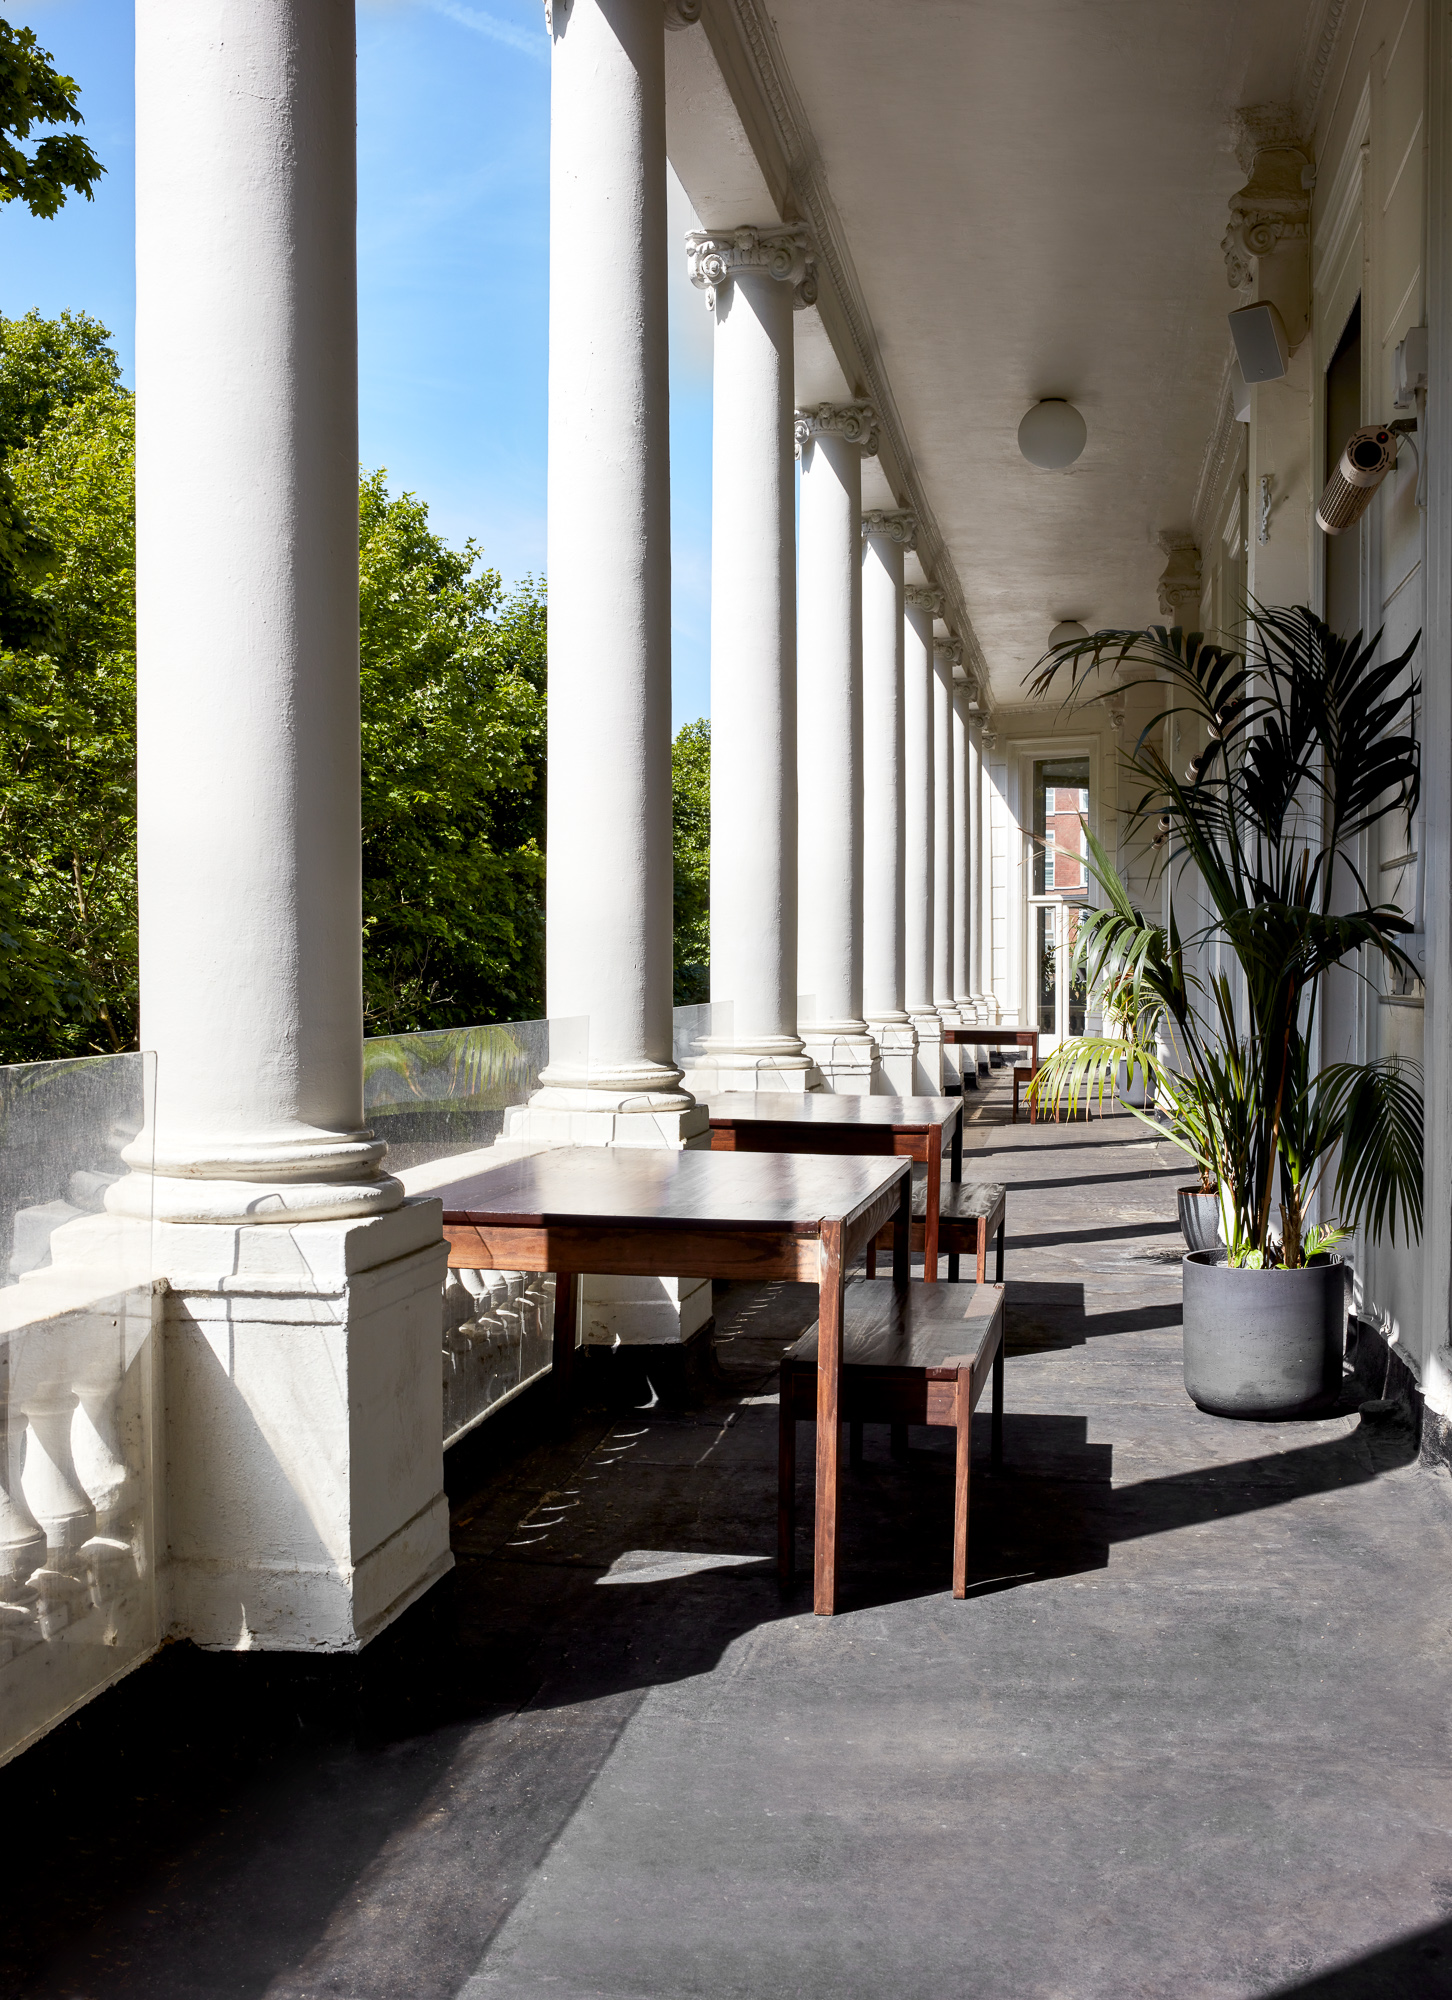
<point>1032,193</point>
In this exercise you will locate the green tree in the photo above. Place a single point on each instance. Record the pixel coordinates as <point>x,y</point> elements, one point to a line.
<point>453,770</point>
<point>32,92</point>
<point>691,842</point>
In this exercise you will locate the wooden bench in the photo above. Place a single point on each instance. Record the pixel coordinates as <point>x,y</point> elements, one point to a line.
<point>919,1354</point>
<point>969,1214</point>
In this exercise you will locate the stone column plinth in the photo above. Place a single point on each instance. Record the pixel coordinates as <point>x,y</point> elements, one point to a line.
<point>922,605</point>
<point>608,927</point>
<point>885,539</point>
<point>303,1320</point>
<point>831,440</point>
<point>753,278</point>
<point>947,653</point>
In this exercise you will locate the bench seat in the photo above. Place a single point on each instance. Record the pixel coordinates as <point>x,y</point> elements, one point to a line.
<point>969,1214</point>
<point>916,1354</point>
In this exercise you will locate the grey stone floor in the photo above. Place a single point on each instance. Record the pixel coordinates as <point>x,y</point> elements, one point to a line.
<point>1187,1737</point>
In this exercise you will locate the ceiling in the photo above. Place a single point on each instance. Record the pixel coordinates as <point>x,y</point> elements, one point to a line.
<point>1030,196</point>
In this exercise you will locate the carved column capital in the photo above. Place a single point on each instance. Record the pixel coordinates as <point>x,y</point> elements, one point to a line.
<point>1274,206</point>
<point>715,256</point>
<point>896,525</point>
<point>856,423</point>
<point>1179,589</point>
<point>950,650</point>
<point>924,597</point>
<point>681,13</point>
<point>989,739</point>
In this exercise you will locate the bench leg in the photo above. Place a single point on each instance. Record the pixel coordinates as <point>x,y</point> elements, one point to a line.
<point>854,1442</point>
<point>899,1442</point>
<point>562,1358</point>
<point>872,1258</point>
<point>952,1267</point>
<point>786,1487</point>
<point>998,1273</point>
<point>982,1248</point>
<point>960,1483</point>
<point>997,1449</point>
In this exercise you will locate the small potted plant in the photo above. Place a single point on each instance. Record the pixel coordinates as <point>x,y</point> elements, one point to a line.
<point>1308,744</point>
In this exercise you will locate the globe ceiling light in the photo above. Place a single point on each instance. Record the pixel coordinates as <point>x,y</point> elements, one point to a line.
<point>1065,630</point>
<point>1052,434</point>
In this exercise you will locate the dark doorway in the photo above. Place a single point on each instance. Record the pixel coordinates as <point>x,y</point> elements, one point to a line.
<point>1343,416</point>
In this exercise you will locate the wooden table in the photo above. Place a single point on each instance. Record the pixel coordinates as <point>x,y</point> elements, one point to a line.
<point>906,1128</point>
<point>627,1211</point>
<point>1001,1038</point>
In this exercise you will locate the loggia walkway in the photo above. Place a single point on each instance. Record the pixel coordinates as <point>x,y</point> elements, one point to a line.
<point>1187,1737</point>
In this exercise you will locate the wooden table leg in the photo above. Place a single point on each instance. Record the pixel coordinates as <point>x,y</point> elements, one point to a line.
<point>955,1157</point>
<point>567,1313</point>
<point>997,1452</point>
<point>930,1220</point>
<point>964,1414</point>
<point>902,1233</point>
<point>831,1314</point>
<point>786,1475</point>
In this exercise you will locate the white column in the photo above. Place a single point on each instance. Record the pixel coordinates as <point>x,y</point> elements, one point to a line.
<point>946,655</point>
<point>994,903</point>
<point>752,279</point>
<point>608,932</point>
<point>831,440</point>
<point>885,539</point>
<point>608,923</point>
<point>962,890</point>
<point>922,605</point>
<point>305,1503</point>
<point>977,955</point>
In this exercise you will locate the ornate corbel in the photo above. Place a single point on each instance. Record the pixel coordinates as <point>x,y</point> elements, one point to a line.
<point>1274,206</point>
<point>715,256</point>
<point>855,423</point>
<point>895,525</point>
<point>1180,580</point>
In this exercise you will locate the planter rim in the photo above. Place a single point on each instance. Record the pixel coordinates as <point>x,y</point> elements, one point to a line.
<point>1217,1260</point>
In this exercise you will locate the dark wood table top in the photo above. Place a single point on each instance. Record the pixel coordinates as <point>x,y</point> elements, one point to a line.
<point>991,1034</point>
<point>821,1107</point>
<point>940,1328</point>
<point>649,1185</point>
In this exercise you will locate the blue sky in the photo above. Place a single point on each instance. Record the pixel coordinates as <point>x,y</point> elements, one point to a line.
<point>453,222</point>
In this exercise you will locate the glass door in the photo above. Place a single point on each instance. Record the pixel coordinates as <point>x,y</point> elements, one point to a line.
<point>1058,892</point>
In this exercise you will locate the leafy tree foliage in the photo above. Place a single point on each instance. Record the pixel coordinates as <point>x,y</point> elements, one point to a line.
<point>32,92</point>
<point>453,675</point>
<point>453,778</point>
<point>691,836</point>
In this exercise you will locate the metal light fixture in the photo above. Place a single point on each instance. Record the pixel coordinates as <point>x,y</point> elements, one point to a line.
<point>1366,458</point>
<point>1052,434</point>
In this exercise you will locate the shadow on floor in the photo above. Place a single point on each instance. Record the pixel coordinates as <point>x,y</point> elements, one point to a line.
<point>1418,1967</point>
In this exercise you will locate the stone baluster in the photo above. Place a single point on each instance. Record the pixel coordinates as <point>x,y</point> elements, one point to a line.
<point>832,440</point>
<point>922,603</point>
<point>753,279</point>
<point>886,537</point>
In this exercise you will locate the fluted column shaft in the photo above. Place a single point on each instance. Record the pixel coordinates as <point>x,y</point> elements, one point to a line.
<point>922,605</point>
<point>829,751</point>
<point>608,932</point>
<point>885,538</point>
<point>751,277</point>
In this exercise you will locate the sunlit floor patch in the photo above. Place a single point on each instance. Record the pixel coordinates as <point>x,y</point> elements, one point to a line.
<point>662,1565</point>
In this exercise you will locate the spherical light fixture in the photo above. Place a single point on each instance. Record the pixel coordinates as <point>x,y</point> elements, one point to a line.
<point>1065,630</point>
<point>1052,434</point>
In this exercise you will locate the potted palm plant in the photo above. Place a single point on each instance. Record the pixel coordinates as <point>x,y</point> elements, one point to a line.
<point>1308,744</point>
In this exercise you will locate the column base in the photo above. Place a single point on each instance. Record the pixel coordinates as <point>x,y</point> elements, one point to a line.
<point>304,1421</point>
<point>752,1066</point>
<point>624,1312</point>
<point>928,1061</point>
<point>848,1061</point>
<point>952,1055</point>
<point>897,1044</point>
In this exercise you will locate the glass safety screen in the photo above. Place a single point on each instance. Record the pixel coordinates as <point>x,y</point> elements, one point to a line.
<point>1058,893</point>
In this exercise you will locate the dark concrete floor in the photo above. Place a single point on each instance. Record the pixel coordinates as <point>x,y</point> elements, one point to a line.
<point>1188,1736</point>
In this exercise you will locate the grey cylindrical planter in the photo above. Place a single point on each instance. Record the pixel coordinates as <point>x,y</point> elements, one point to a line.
<point>1199,1218</point>
<point>1136,1089</point>
<point>1263,1343</point>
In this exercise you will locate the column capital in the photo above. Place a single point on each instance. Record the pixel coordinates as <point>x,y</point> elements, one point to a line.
<point>989,738</point>
<point>924,597</point>
<point>782,251</point>
<point>950,650</point>
<point>894,524</point>
<point>855,423</point>
<point>682,13</point>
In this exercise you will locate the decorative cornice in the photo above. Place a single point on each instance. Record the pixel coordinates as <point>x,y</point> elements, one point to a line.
<point>715,256</point>
<point>1274,206</point>
<point>810,198</point>
<point>925,597</point>
<point>854,423</point>
<point>1317,48</point>
<point>1180,581</point>
<point>897,526</point>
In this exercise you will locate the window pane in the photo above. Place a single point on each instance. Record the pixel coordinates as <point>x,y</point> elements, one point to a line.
<point>1060,798</point>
